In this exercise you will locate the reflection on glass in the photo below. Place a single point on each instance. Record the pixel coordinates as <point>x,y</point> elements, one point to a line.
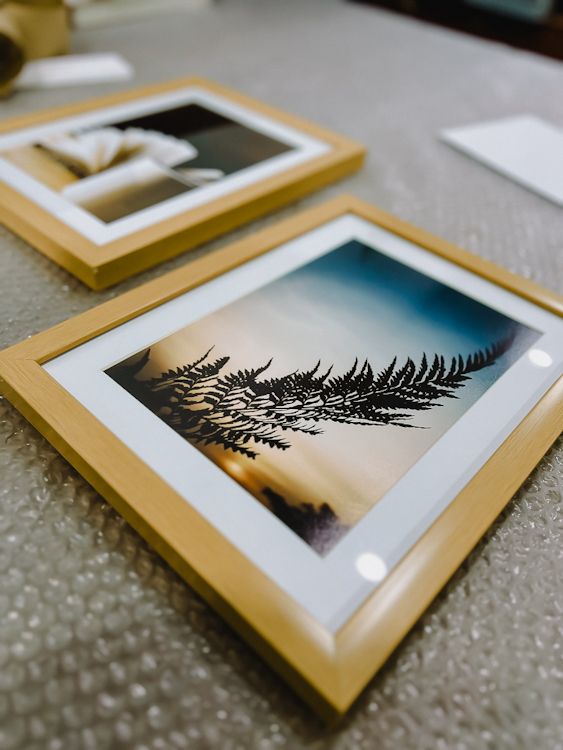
<point>371,567</point>
<point>540,358</point>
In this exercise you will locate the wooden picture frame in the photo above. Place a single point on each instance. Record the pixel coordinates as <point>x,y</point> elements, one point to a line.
<point>328,667</point>
<point>99,230</point>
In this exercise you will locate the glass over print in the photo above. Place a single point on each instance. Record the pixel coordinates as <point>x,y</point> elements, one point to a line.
<point>318,391</point>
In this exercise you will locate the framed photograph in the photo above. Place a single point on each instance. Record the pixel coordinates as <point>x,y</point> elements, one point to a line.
<point>314,426</point>
<point>110,187</point>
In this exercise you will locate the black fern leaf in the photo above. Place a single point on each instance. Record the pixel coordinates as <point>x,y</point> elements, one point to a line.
<point>242,410</point>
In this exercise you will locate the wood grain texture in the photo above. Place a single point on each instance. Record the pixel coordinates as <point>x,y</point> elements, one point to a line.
<point>329,671</point>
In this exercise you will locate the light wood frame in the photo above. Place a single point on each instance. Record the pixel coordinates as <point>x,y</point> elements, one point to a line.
<point>100,266</point>
<point>329,671</point>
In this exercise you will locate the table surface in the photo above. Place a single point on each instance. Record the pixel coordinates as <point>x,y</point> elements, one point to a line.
<point>101,644</point>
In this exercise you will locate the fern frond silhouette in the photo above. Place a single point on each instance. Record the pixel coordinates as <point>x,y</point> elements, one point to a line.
<point>242,410</point>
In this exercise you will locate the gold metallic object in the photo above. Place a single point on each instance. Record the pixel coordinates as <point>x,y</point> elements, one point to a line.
<point>29,29</point>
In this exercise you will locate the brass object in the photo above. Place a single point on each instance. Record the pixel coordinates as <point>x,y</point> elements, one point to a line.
<point>30,29</point>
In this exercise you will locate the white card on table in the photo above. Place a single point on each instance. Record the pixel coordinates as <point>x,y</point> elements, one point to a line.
<point>73,70</point>
<point>524,148</point>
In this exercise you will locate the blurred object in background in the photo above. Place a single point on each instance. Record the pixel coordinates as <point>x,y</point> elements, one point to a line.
<point>96,13</point>
<point>29,29</point>
<point>34,29</point>
<point>529,10</point>
<point>535,25</point>
<point>74,70</point>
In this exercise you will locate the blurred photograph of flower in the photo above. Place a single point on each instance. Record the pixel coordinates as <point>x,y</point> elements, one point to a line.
<point>116,170</point>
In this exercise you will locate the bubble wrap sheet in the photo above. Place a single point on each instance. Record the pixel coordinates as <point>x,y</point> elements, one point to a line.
<point>101,644</point>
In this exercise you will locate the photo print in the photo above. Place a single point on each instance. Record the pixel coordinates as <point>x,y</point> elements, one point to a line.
<point>318,391</point>
<point>116,170</point>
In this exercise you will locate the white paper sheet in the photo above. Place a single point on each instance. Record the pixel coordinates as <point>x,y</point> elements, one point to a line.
<point>74,70</point>
<point>524,148</point>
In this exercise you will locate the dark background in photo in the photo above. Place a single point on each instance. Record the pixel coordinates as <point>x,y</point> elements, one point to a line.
<point>221,143</point>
